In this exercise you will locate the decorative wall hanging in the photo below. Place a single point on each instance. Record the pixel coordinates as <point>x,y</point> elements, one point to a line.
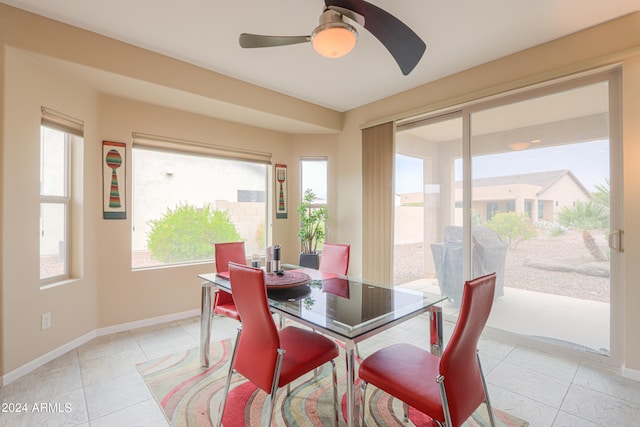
<point>114,181</point>
<point>281,191</point>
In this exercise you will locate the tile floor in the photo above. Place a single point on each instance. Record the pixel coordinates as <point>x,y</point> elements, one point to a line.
<point>97,384</point>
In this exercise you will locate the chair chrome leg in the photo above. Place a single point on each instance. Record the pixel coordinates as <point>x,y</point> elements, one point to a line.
<point>363,393</point>
<point>274,385</point>
<point>445,401</point>
<point>492,420</point>
<point>334,375</point>
<point>229,375</point>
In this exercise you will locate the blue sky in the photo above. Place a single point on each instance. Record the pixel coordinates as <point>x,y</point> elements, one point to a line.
<point>589,161</point>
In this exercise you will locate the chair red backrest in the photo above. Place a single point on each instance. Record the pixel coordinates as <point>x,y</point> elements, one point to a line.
<point>257,348</point>
<point>225,253</point>
<point>229,252</point>
<point>335,258</point>
<point>459,366</point>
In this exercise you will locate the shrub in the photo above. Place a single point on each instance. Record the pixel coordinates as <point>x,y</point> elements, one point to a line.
<point>558,230</point>
<point>187,233</point>
<point>512,227</point>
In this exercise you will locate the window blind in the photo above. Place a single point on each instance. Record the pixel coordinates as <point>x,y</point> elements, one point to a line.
<point>169,143</point>
<point>62,122</point>
<point>377,202</point>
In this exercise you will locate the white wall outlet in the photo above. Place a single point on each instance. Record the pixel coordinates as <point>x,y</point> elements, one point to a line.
<point>46,320</point>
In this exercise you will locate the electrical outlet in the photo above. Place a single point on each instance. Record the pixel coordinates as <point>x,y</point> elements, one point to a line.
<point>46,320</point>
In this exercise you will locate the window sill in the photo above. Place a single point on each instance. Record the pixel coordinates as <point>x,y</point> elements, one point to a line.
<point>60,283</point>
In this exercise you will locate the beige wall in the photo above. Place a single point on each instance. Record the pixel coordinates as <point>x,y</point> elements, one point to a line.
<point>105,292</point>
<point>108,293</point>
<point>2,180</point>
<point>73,305</point>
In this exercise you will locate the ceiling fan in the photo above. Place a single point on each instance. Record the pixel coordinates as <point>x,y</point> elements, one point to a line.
<point>335,36</point>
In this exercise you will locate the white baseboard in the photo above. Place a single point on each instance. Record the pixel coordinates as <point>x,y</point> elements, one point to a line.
<point>633,374</point>
<point>46,358</point>
<point>71,345</point>
<point>146,322</point>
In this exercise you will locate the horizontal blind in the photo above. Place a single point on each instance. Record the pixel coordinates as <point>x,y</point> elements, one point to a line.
<point>144,140</point>
<point>62,122</point>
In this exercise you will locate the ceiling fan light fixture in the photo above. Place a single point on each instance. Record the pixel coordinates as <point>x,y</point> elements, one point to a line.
<point>334,39</point>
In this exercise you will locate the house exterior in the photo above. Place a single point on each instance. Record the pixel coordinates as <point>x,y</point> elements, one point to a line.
<point>541,195</point>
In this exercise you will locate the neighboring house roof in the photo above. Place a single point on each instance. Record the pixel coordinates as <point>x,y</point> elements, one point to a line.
<point>544,180</point>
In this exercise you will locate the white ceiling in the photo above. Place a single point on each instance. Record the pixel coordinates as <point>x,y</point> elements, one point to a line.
<point>459,35</point>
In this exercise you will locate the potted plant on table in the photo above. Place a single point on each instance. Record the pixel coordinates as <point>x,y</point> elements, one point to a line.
<point>312,224</point>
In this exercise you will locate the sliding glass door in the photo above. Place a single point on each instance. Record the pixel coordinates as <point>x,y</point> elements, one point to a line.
<point>522,186</point>
<point>540,176</point>
<point>425,189</point>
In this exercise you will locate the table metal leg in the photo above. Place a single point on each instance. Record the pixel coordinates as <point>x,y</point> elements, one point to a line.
<point>205,325</point>
<point>351,379</point>
<point>435,317</point>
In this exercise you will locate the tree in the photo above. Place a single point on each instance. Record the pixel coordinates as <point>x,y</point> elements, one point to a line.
<point>512,227</point>
<point>587,217</point>
<point>602,195</point>
<point>187,233</point>
<point>312,222</point>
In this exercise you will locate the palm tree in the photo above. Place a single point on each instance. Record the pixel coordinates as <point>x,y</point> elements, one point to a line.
<point>603,194</point>
<point>586,217</point>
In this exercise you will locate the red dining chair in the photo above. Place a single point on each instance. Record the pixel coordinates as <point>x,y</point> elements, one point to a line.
<point>225,253</point>
<point>268,357</point>
<point>449,388</point>
<point>335,258</point>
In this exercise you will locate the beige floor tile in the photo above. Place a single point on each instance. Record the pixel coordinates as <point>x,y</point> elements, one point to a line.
<point>107,345</point>
<point>567,420</point>
<point>101,369</point>
<point>143,414</point>
<point>101,383</point>
<point>601,408</point>
<point>536,385</point>
<point>116,394</point>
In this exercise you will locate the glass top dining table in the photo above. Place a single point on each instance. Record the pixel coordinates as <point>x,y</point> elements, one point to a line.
<point>347,309</point>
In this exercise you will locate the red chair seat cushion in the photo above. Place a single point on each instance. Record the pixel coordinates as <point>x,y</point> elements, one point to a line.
<point>408,373</point>
<point>228,309</point>
<point>225,306</point>
<point>305,351</point>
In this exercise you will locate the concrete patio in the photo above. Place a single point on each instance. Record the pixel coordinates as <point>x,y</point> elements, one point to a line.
<point>577,324</point>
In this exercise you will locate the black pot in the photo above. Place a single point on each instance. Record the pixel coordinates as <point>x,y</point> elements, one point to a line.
<point>311,260</point>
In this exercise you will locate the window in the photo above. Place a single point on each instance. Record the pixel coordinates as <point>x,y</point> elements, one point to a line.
<point>313,176</point>
<point>313,172</point>
<point>540,210</point>
<point>492,209</point>
<point>528,208</point>
<point>185,200</point>
<point>57,135</point>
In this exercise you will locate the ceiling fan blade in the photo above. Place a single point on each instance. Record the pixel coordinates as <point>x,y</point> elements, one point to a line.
<point>403,44</point>
<point>257,40</point>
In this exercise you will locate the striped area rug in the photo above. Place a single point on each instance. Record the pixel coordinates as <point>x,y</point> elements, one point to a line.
<point>190,396</point>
